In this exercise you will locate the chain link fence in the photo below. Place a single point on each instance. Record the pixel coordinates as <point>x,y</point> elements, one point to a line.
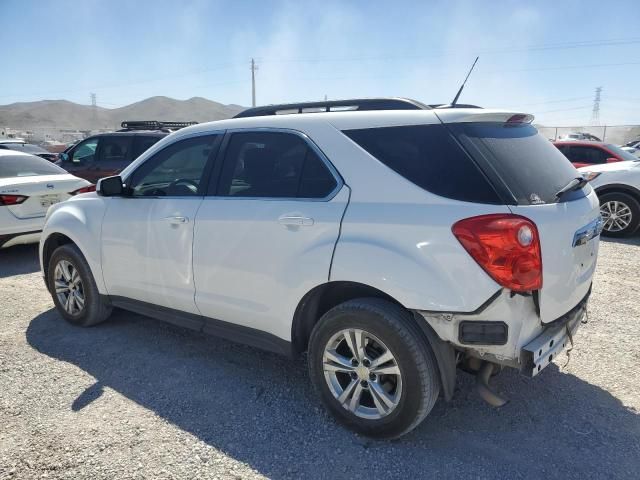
<point>616,134</point>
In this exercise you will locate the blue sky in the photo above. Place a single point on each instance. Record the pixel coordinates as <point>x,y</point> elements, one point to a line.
<point>544,57</point>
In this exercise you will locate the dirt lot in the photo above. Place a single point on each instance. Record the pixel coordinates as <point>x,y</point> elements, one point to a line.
<point>135,398</point>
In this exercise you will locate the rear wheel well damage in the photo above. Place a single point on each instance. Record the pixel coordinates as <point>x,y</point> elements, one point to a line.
<point>52,242</point>
<point>324,297</point>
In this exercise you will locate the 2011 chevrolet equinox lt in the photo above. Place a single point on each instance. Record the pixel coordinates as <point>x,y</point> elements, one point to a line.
<point>393,241</point>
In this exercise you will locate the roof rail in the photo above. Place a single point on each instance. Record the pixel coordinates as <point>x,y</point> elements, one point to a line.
<point>355,104</point>
<point>153,125</point>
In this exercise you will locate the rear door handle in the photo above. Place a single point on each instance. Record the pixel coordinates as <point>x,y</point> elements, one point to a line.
<point>295,220</point>
<point>176,220</point>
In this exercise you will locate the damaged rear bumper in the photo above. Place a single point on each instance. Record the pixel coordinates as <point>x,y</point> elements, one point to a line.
<point>541,351</point>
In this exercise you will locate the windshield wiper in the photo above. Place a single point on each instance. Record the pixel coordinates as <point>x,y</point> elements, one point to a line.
<point>574,184</point>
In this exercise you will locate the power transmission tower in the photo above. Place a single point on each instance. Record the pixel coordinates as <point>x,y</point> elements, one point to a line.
<point>254,67</point>
<point>93,108</point>
<point>595,113</point>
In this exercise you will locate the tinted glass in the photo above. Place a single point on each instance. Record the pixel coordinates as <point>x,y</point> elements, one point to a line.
<point>584,154</point>
<point>142,143</point>
<point>430,157</point>
<point>85,151</point>
<point>177,170</point>
<point>114,148</point>
<point>528,164</point>
<point>26,166</point>
<point>273,164</point>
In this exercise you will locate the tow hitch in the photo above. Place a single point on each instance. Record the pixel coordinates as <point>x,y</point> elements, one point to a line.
<point>483,388</point>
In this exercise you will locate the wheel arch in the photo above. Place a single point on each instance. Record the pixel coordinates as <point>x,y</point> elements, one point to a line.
<point>618,188</point>
<point>324,297</point>
<point>49,245</point>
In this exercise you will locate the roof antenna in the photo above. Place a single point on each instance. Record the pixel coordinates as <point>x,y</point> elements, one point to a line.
<point>455,99</point>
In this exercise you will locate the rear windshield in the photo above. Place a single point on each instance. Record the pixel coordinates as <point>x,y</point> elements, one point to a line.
<point>24,147</point>
<point>622,153</point>
<point>519,158</point>
<point>428,156</point>
<point>26,166</point>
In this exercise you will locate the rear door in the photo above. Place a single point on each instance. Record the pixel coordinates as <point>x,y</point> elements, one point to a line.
<point>530,171</point>
<point>113,154</point>
<point>267,236</point>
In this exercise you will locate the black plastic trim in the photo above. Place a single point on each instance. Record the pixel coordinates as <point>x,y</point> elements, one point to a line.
<point>361,104</point>
<point>229,331</point>
<point>482,322</point>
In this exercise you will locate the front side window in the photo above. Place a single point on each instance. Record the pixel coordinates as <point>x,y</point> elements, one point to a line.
<point>274,165</point>
<point>177,170</point>
<point>85,151</point>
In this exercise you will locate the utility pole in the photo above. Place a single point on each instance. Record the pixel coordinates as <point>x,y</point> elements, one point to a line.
<point>93,108</point>
<point>254,67</point>
<point>595,113</point>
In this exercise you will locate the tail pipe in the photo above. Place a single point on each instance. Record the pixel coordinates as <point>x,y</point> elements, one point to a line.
<point>483,388</point>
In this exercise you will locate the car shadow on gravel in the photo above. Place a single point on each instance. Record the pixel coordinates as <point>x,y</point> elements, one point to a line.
<point>260,409</point>
<point>19,260</point>
<point>633,240</point>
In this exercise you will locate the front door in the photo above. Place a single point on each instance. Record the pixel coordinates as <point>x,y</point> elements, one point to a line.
<point>267,235</point>
<point>147,236</point>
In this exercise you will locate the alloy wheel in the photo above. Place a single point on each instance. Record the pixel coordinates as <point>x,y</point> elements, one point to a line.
<point>616,215</point>
<point>69,288</point>
<point>362,374</point>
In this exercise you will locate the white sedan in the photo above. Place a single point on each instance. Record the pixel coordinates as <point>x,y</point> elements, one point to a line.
<point>618,188</point>
<point>29,185</point>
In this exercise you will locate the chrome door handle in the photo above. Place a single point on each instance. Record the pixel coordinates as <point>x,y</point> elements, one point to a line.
<point>295,220</point>
<point>176,220</point>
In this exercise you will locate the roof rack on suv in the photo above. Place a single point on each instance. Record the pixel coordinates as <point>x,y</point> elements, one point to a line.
<point>349,105</point>
<point>153,125</point>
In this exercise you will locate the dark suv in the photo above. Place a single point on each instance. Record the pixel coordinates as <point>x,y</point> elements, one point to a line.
<point>107,154</point>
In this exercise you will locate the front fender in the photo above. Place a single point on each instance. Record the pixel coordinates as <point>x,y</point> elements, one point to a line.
<point>79,219</point>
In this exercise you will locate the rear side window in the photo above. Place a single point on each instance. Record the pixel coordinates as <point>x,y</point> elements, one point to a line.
<point>142,143</point>
<point>273,165</point>
<point>27,166</point>
<point>428,156</point>
<point>528,165</point>
<point>114,148</point>
<point>580,154</point>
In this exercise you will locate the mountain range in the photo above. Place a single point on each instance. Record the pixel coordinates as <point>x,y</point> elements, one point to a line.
<point>63,114</point>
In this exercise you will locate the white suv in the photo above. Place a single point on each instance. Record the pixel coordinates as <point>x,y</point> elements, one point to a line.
<point>392,241</point>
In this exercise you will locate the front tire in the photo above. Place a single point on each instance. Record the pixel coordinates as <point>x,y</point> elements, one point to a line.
<point>373,368</point>
<point>73,288</point>
<point>621,214</point>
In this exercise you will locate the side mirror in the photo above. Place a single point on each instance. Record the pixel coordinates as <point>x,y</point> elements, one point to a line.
<point>110,187</point>
<point>63,156</point>
<point>612,160</point>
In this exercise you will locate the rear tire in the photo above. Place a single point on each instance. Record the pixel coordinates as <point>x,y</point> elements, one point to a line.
<point>392,396</point>
<point>73,288</point>
<point>621,214</point>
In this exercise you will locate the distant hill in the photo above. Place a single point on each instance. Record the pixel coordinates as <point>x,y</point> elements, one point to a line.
<point>63,114</point>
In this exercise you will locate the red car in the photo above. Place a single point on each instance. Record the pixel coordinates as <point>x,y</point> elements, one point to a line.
<point>585,153</point>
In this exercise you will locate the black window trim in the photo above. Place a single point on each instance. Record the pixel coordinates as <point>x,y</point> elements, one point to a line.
<point>209,169</point>
<point>214,186</point>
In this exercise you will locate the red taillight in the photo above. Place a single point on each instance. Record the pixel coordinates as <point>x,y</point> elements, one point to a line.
<point>507,247</point>
<point>12,199</point>
<point>87,189</point>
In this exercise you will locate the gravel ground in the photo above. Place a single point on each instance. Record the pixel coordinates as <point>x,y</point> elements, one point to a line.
<point>135,398</point>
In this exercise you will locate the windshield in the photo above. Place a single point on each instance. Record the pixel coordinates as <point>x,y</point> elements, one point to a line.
<point>27,166</point>
<point>528,165</point>
<point>622,153</point>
